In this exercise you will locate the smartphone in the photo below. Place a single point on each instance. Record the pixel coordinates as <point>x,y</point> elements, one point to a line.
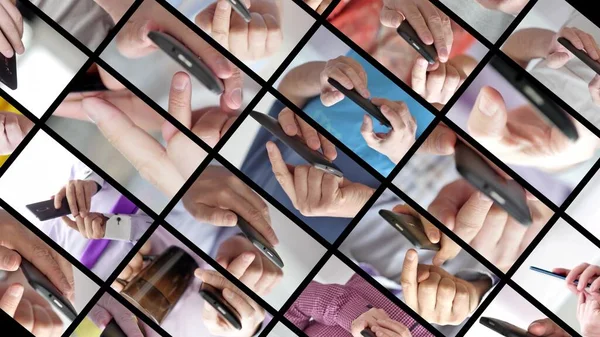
<point>408,33</point>
<point>548,109</point>
<point>213,297</point>
<point>241,9</point>
<point>580,54</point>
<point>113,329</point>
<point>89,82</point>
<point>411,227</point>
<point>367,333</point>
<point>503,328</point>
<point>362,102</point>
<point>259,241</point>
<point>8,71</point>
<point>44,210</point>
<point>187,59</point>
<point>315,158</point>
<point>506,193</point>
<point>47,290</point>
<point>549,273</point>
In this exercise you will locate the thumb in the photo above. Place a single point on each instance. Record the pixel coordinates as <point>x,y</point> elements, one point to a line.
<point>179,105</point>
<point>366,130</point>
<point>213,215</point>
<point>133,41</point>
<point>432,232</point>
<point>488,117</point>
<point>557,59</point>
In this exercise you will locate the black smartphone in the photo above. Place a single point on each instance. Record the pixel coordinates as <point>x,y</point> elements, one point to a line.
<point>47,290</point>
<point>89,82</point>
<point>548,109</point>
<point>362,102</point>
<point>44,210</point>
<point>549,273</point>
<point>315,158</point>
<point>8,71</point>
<point>367,333</point>
<point>213,297</point>
<point>259,241</point>
<point>408,33</point>
<point>411,227</point>
<point>503,328</point>
<point>241,9</point>
<point>187,59</point>
<point>580,54</point>
<point>506,193</point>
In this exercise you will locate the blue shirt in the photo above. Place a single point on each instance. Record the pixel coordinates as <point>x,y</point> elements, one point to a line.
<point>344,119</point>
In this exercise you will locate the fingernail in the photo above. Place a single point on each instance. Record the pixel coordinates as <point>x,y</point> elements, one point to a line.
<point>180,82</point>
<point>223,5</point>
<point>228,294</point>
<point>15,291</point>
<point>8,53</point>
<point>434,235</point>
<point>483,196</point>
<point>313,143</point>
<point>222,65</point>
<point>198,273</point>
<point>437,261</point>
<point>248,257</point>
<point>11,262</point>
<point>269,148</point>
<point>444,52</point>
<point>487,106</point>
<point>236,96</point>
<point>410,256</point>
<point>289,129</point>
<point>534,324</point>
<point>231,219</point>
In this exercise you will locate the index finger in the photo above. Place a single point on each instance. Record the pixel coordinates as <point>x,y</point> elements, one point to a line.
<point>408,279</point>
<point>419,76</point>
<point>11,299</point>
<point>281,171</point>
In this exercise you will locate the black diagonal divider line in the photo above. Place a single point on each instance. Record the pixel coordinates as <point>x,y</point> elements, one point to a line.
<point>117,28</point>
<point>549,93</point>
<point>10,325</point>
<point>582,230</point>
<point>17,105</point>
<point>581,185</point>
<point>267,330</point>
<point>463,24</point>
<point>499,163</point>
<point>587,13</point>
<point>514,24</point>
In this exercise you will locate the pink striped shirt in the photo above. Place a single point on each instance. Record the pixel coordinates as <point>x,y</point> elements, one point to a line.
<point>328,310</point>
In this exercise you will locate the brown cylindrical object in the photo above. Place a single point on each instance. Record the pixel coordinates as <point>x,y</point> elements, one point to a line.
<point>157,288</point>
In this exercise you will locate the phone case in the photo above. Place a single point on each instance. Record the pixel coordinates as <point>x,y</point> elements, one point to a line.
<point>47,290</point>
<point>213,297</point>
<point>241,9</point>
<point>259,241</point>
<point>506,193</point>
<point>548,109</point>
<point>367,333</point>
<point>315,158</point>
<point>411,227</point>
<point>44,210</point>
<point>89,82</point>
<point>580,54</point>
<point>364,103</point>
<point>408,33</point>
<point>187,59</point>
<point>8,71</point>
<point>503,328</point>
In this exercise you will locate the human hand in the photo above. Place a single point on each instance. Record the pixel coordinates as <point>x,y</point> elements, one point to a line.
<point>438,85</point>
<point>378,321</point>
<point>133,42</point>
<point>524,138</point>
<point>293,125</point>
<point>436,295</point>
<point>13,128</point>
<point>254,40</point>
<point>251,314</point>
<point>400,138</point>
<point>594,88</point>
<point>431,24</point>
<point>482,224</point>
<point>349,73</point>
<point>218,197</point>
<point>245,262</point>
<point>18,241</point>
<point>316,193</point>
<point>588,315</point>
<point>584,274</point>
<point>546,328</point>
<point>79,195</point>
<point>318,5</point>
<point>513,7</point>
<point>135,265</point>
<point>107,309</point>
<point>558,55</point>
<point>441,141</point>
<point>11,29</point>
<point>91,226</point>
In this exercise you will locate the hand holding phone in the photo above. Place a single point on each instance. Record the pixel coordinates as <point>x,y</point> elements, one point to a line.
<point>408,33</point>
<point>555,275</point>
<point>44,210</point>
<point>241,9</point>
<point>8,71</point>
<point>259,241</point>
<point>580,54</point>
<point>213,297</point>
<point>367,333</point>
<point>503,328</point>
<point>364,103</point>
<point>411,227</point>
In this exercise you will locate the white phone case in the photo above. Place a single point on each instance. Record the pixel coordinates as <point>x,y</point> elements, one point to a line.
<point>118,227</point>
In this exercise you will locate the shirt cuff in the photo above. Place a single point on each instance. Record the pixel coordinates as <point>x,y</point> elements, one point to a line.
<point>349,311</point>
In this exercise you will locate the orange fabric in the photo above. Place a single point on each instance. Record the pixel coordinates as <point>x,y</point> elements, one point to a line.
<point>462,42</point>
<point>358,19</point>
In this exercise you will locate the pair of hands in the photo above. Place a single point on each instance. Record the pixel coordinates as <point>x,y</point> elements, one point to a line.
<point>13,128</point>
<point>378,321</point>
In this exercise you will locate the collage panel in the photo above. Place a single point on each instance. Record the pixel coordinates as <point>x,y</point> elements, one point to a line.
<point>133,143</point>
<point>260,33</point>
<point>168,47</point>
<point>181,293</point>
<point>378,121</point>
<point>436,278</point>
<point>39,288</point>
<point>14,125</point>
<point>73,205</point>
<point>563,273</point>
<point>324,194</point>
<point>109,318</point>
<point>225,218</point>
<point>340,302</point>
<point>538,140</point>
<point>584,210</point>
<point>88,21</point>
<point>416,42</point>
<point>281,330</point>
<point>560,47</point>
<point>510,313</point>
<point>474,198</point>
<point>46,64</point>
